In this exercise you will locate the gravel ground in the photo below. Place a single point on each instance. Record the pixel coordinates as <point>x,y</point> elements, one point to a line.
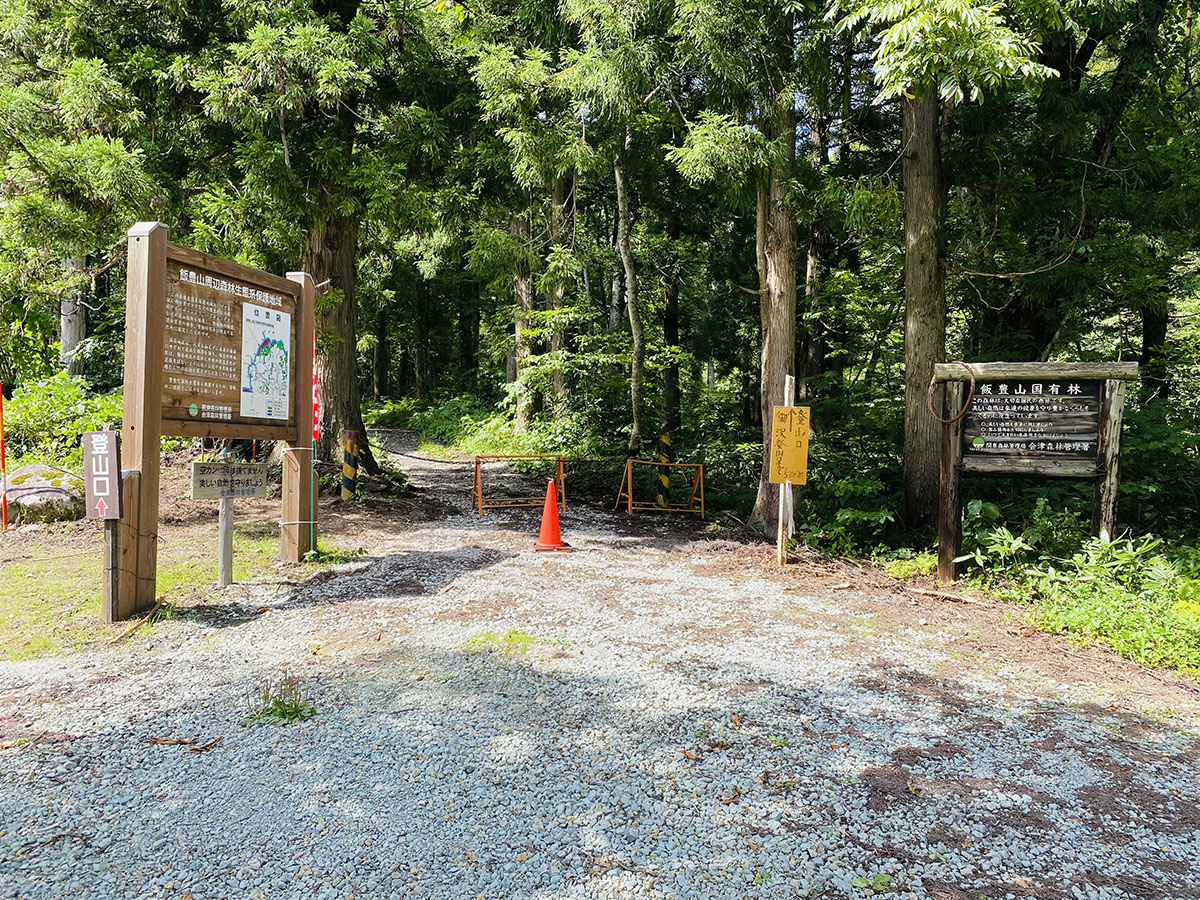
<point>659,715</point>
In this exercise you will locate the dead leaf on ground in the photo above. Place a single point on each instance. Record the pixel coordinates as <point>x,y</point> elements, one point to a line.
<point>736,720</point>
<point>913,789</point>
<point>689,754</point>
<point>173,741</point>
<point>472,857</point>
<point>732,798</point>
<point>204,748</point>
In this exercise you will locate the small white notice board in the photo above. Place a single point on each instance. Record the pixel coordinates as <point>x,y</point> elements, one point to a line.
<point>228,480</point>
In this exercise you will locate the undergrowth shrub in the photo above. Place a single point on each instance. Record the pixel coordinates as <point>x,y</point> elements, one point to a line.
<point>44,420</point>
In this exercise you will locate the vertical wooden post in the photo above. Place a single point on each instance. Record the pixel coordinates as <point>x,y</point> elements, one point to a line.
<point>1108,482</point>
<point>141,428</point>
<point>950,503</point>
<point>112,569</point>
<point>562,486</point>
<point>299,532</point>
<point>785,526</point>
<point>477,491</point>
<point>225,542</point>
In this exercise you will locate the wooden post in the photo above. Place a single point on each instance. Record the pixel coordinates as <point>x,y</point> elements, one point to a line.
<point>950,505</point>
<point>298,535</point>
<point>141,431</point>
<point>785,526</point>
<point>225,542</point>
<point>562,486</point>
<point>1108,483</point>
<point>477,491</point>
<point>112,569</point>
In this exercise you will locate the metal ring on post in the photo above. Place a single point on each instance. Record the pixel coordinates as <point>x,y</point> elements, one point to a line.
<point>967,405</point>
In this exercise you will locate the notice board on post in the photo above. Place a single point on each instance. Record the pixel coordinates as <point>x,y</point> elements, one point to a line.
<point>1057,420</point>
<point>212,349</point>
<point>789,445</point>
<point>230,350</point>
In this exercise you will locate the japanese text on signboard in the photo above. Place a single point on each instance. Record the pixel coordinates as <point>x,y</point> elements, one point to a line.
<point>789,445</point>
<point>1038,419</point>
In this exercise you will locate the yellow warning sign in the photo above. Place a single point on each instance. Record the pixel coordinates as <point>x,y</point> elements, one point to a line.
<point>789,445</point>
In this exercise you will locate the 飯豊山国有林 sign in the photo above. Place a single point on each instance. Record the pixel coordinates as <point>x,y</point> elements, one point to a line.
<point>1033,419</point>
<point>1059,420</point>
<point>229,349</point>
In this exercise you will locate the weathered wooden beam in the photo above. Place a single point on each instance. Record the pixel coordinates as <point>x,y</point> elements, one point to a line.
<point>1108,484</point>
<point>950,495</point>
<point>298,535</point>
<point>1050,468</point>
<point>986,371</point>
<point>141,423</point>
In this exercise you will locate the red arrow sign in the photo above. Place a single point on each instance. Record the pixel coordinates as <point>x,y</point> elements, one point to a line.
<point>101,507</point>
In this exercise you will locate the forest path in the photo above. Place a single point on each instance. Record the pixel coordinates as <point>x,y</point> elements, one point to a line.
<point>657,715</point>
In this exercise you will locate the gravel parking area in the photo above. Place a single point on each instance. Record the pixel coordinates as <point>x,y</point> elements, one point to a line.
<point>661,714</point>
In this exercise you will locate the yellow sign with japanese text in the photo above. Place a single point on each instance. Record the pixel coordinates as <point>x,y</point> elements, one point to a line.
<point>789,445</point>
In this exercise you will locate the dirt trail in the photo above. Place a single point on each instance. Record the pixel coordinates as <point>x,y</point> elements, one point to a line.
<point>663,713</point>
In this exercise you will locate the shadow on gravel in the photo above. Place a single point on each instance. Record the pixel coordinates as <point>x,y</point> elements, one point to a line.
<point>397,576</point>
<point>527,775</point>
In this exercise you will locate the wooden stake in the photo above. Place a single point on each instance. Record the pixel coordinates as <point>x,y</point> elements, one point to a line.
<point>141,432</point>
<point>1108,484</point>
<point>298,535</point>
<point>950,503</point>
<point>112,569</point>
<point>225,543</point>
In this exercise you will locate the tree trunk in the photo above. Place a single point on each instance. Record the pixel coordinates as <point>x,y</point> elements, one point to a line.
<point>637,368</point>
<point>924,301</point>
<point>559,194</point>
<point>776,241</point>
<point>672,419</point>
<point>330,254</point>
<point>72,321</point>
<point>521,230</point>
<point>422,345</point>
<point>468,331</point>
<point>1155,364</point>
<point>382,357</point>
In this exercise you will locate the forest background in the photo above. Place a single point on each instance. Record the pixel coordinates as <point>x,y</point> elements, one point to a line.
<point>570,226</point>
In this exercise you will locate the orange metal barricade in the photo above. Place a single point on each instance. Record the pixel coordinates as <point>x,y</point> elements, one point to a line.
<point>482,502</point>
<point>626,490</point>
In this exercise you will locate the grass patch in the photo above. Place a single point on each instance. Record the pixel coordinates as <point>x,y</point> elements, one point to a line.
<point>912,567</point>
<point>511,642</point>
<point>278,702</point>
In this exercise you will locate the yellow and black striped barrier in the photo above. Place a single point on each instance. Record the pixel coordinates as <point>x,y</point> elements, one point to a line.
<point>349,464</point>
<point>663,498</point>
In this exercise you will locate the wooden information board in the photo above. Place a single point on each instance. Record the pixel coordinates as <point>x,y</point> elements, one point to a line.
<point>230,353</point>
<point>789,445</point>
<point>212,349</point>
<point>1059,420</point>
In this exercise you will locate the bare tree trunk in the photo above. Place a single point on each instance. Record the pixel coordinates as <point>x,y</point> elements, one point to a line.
<point>381,359</point>
<point>559,194</point>
<point>426,378</point>
<point>637,367</point>
<point>924,300</point>
<point>522,230</point>
<point>72,321</point>
<point>468,331</point>
<point>776,229</point>
<point>1155,362</point>
<point>672,419</point>
<point>330,254</point>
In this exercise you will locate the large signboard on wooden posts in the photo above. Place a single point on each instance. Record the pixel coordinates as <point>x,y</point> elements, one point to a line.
<point>212,349</point>
<point>1059,420</point>
<point>229,349</point>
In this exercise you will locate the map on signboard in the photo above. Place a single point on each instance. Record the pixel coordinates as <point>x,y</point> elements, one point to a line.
<point>266,338</point>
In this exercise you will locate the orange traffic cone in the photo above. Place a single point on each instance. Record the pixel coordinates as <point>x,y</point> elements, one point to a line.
<point>548,537</point>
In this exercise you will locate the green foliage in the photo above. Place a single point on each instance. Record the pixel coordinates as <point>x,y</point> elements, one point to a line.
<point>45,420</point>
<point>1125,593</point>
<point>282,701</point>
